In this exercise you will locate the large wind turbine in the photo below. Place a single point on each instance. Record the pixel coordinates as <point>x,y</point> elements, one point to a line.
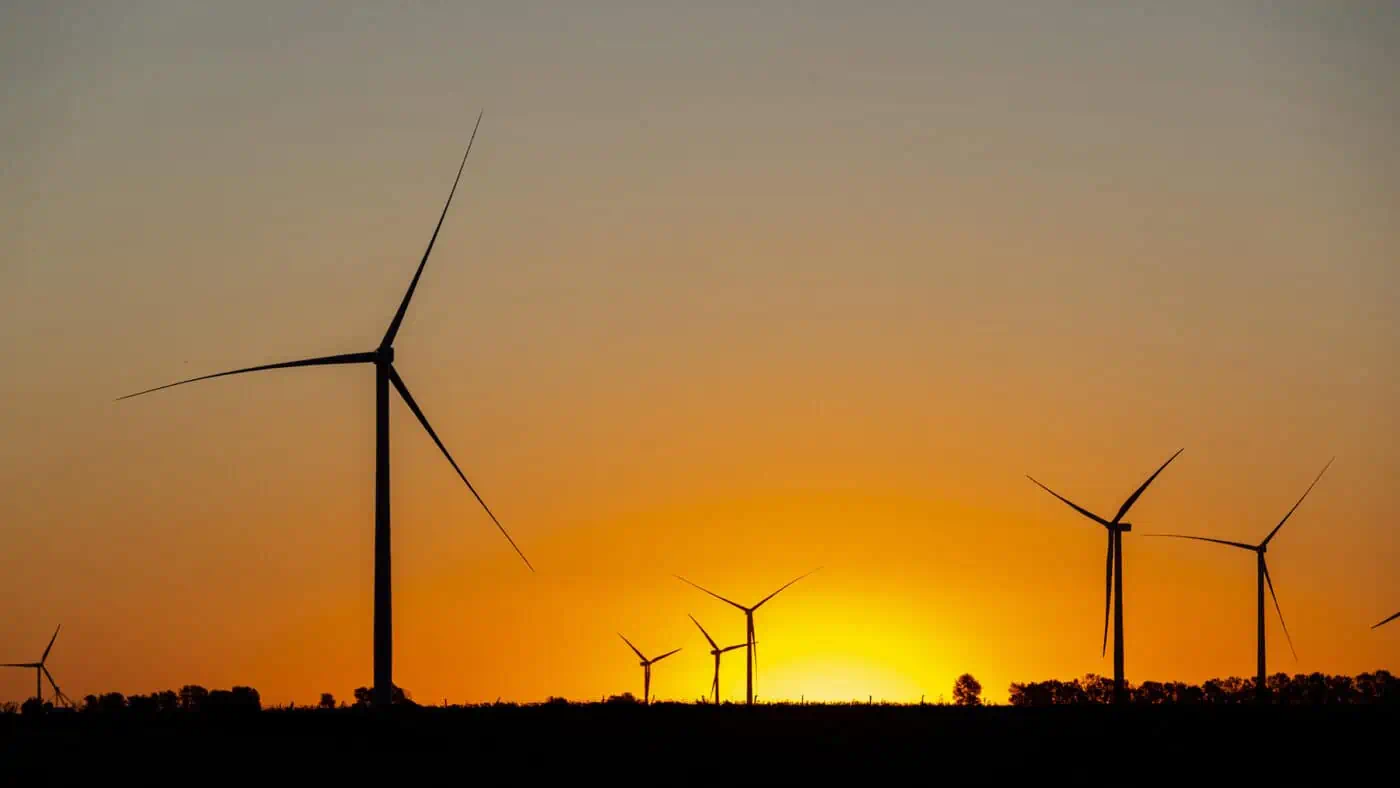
<point>1113,584</point>
<point>41,672</point>
<point>646,666</point>
<point>385,375</point>
<point>716,651</point>
<point>1261,685</point>
<point>748,617</point>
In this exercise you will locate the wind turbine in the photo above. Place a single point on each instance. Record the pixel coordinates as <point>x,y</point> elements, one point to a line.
<point>752,662</point>
<point>716,651</point>
<point>1388,620</point>
<point>1261,686</point>
<point>1113,583</point>
<point>41,672</point>
<point>646,667</point>
<point>385,375</point>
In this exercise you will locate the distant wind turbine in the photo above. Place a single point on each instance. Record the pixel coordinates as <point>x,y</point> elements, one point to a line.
<point>1113,584</point>
<point>1261,686</point>
<point>41,672</point>
<point>716,651</point>
<point>1388,620</point>
<point>385,375</point>
<point>748,617</point>
<point>646,666</point>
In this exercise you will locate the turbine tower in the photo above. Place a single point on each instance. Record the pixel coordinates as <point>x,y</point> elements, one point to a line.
<point>751,643</point>
<point>1261,686</point>
<point>716,651</point>
<point>1113,584</point>
<point>385,375</point>
<point>41,672</point>
<point>646,667</point>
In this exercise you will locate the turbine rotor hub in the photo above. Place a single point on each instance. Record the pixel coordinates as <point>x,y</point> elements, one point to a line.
<point>384,355</point>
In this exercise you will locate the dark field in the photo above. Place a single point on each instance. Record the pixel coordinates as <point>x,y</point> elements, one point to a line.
<point>1332,742</point>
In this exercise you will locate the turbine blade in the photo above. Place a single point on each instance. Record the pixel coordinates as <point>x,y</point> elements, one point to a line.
<point>1270,581</point>
<point>1387,621</point>
<point>1108,592</point>
<point>745,645</point>
<point>753,649</point>
<point>1132,499</point>
<point>1300,501</point>
<point>413,406</point>
<point>50,646</point>
<point>640,655</point>
<point>1208,539</point>
<point>1071,504</point>
<point>713,644</point>
<point>344,358</point>
<point>663,656</point>
<point>20,665</point>
<point>785,585</point>
<point>52,683</point>
<point>413,285</point>
<point>713,594</point>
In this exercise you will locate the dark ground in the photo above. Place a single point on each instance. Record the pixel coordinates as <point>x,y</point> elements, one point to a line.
<point>697,743</point>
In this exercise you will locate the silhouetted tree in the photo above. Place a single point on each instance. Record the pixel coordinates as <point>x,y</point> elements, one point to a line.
<point>624,698</point>
<point>1097,689</point>
<point>192,697</point>
<point>112,703</point>
<point>9,707</point>
<point>90,704</point>
<point>246,698</point>
<point>327,700</point>
<point>967,691</point>
<point>33,708</point>
<point>167,702</point>
<point>141,704</point>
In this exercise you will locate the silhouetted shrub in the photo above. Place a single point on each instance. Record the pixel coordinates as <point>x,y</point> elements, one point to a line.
<point>624,698</point>
<point>327,700</point>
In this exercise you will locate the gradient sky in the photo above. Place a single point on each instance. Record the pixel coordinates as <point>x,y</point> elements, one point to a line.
<point>729,292</point>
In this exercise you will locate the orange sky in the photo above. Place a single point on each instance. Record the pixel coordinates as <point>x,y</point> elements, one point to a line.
<point>725,293</point>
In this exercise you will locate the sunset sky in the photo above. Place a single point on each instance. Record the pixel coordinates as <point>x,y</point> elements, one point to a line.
<point>728,292</point>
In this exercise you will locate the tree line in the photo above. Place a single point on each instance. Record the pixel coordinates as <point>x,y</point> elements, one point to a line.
<point>1303,689</point>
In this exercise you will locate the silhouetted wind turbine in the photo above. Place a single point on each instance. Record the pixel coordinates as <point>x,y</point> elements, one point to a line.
<point>1113,584</point>
<point>716,651</point>
<point>646,666</point>
<point>41,672</point>
<point>1261,686</point>
<point>752,661</point>
<point>382,358</point>
<point>1388,620</point>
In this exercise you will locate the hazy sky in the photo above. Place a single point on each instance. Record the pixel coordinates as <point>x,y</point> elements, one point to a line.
<point>729,292</point>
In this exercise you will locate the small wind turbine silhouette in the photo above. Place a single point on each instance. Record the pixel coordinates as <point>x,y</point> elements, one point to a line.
<point>1261,686</point>
<point>1388,620</point>
<point>748,617</point>
<point>1113,584</point>
<point>646,666</point>
<point>385,375</point>
<point>41,672</point>
<point>716,651</point>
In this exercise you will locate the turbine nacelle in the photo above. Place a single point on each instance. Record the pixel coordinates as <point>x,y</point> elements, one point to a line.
<point>1125,527</point>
